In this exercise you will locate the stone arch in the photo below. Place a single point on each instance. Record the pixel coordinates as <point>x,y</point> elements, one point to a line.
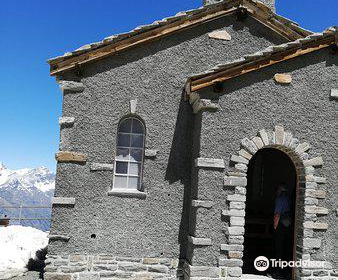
<point>308,194</point>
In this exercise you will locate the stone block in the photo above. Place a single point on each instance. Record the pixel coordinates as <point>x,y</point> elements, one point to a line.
<point>245,154</point>
<point>311,201</point>
<point>235,254</point>
<point>68,156</point>
<point>57,276</point>
<point>258,142</point>
<point>104,267</point>
<point>133,106</point>
<point>230,262</point>
<point>264,136</point>
<point>232,247</point>
<point>233,213</point>
<point>241,167</point>
<point>312,243</point>
<point>235,181</point>
<point>71,86</point>
<point>95,166</point>
<point>302,148</point>
<point>129,259</point>
<point>150,153</point>
<point>237,221</point>
<point>239,159</point>
<point>236,197</point>
<point>66,121</point>
<point>283,78</point>
<point>73,269</point>
<point>249,146</point>
<point>334,94</point>
<point>236,174</point>
<point>63,201</point>
<point>309,170</point>
<point>236,239</point>
<point>58,237</point>
<point>287,139</point>
<point>237,205</point>
<point>151,260</point>
<point>131,266</point>
<point>235,230</point>
<point>279,134</point>
<point>158,269</point>
<point>317,179</point>
<point>317,161</point>
<point>202,203</point>
<point>220,35</point>
<point>240,190</point>
<point>315,193</point>
<point>315,225</point>
<point>77,258</point>
<point>202,271</point>
<point>316,210</point>
<point>199,241</point>
<point>88,276</point>
<point>210,163</point>
<point>234,271</point>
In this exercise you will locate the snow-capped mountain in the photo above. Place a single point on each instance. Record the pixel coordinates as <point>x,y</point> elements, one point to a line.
<point>26,187</point>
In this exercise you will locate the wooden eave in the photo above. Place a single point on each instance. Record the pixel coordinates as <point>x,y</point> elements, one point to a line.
<point>260,12</point>
<point>202,81</point>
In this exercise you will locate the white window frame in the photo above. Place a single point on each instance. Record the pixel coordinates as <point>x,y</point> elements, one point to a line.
<point>128,175</point>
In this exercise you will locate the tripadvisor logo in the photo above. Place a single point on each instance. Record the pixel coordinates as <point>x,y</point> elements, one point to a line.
<point>262,263</point>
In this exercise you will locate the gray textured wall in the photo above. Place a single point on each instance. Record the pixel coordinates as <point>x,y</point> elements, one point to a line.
<point>253,102</point>
<point>154,74</point>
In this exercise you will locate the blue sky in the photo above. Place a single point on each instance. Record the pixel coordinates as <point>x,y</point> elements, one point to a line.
<point>33,31</point>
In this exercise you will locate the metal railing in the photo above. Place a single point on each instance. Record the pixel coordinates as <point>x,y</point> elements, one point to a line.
<point>21,218</point>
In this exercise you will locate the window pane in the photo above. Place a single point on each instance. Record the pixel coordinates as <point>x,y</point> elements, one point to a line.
<point>136,154</point>
<point>133,182</point>
<point>122,154</point>
<point>120,182</point>
<point>134,168</point>
<point>125,126</point>
<point>137,127</point>
<point>123,140</point>
<point>121,167</point>
<point>137,141</point>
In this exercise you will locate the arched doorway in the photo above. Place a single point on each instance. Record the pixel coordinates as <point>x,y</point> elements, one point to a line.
<point>267,169</point>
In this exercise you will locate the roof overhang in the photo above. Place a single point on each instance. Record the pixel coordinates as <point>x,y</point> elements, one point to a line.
<point>183,20</point>
<point>267,57</point>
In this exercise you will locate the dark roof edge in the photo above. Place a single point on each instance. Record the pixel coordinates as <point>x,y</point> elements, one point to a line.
<point>261,59</point>
<point>141,34</point>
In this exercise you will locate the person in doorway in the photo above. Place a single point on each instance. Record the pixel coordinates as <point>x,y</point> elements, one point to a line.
<point>282,225</point>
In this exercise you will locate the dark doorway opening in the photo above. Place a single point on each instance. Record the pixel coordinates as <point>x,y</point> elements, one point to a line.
<point>267,169</point>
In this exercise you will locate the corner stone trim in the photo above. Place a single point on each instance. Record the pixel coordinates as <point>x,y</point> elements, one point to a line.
<point>58,237</point>
<point>68,156</point>
<point>202,203</point>
<point>199,241</point>
<point>210,163</point>
<point>63,201</point>
<point>66,121</point>
<point>201,105</point>
<point>71,86</point>
<point>334,94</point>
<point>150,153</point>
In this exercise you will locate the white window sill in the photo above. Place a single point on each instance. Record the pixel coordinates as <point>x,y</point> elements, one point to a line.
<point>127,193</point>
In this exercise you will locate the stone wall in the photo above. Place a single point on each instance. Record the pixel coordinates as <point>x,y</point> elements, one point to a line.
<point>156,223</point>
<point>95,267</point>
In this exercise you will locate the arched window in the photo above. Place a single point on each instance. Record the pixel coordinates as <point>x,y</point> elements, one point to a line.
<point>129,154</point>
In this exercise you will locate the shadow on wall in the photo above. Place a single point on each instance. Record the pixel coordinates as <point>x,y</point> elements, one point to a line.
<point>179,165</point>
